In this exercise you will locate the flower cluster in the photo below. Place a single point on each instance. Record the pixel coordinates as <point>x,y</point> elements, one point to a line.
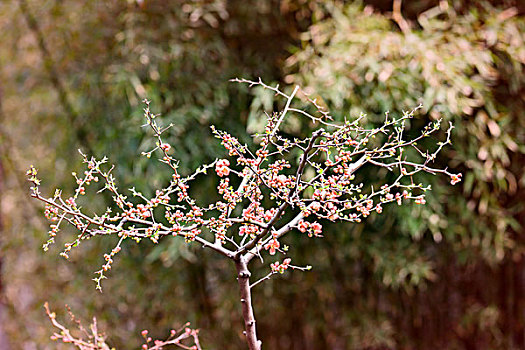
<point>313,229</point>
<point>248,230</point>
<point>221,167</point>
<point>51,213</point>
<point>420,200</point>
<point>280,268</point>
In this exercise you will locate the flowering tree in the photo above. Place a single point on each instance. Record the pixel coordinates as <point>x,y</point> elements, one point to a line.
<point>281,185</point>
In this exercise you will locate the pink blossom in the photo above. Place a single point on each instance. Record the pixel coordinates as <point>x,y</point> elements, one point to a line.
<point>303,226</point>
<point>165,147</point>
<point>315,206</point>
<point>221,167</point>
<point>420,200</point>
<point>272,246</point>
<point>455,178</point>
<point>316,227</point>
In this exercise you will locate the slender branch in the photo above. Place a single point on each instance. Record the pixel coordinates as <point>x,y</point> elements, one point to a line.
<point>283,113</point>
<point>216,247</point>
<point>267,277</point>
<point>260,82</point>
<point>360,162</point>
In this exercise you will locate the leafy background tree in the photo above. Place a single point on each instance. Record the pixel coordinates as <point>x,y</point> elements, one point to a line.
<point>448,274</point>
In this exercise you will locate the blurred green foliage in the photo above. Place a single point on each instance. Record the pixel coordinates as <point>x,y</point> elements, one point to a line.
<point>464,68</point>
<point>446,275</point>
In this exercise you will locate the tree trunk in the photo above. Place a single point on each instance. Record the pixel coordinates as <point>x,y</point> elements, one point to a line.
<point>243,278</point>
